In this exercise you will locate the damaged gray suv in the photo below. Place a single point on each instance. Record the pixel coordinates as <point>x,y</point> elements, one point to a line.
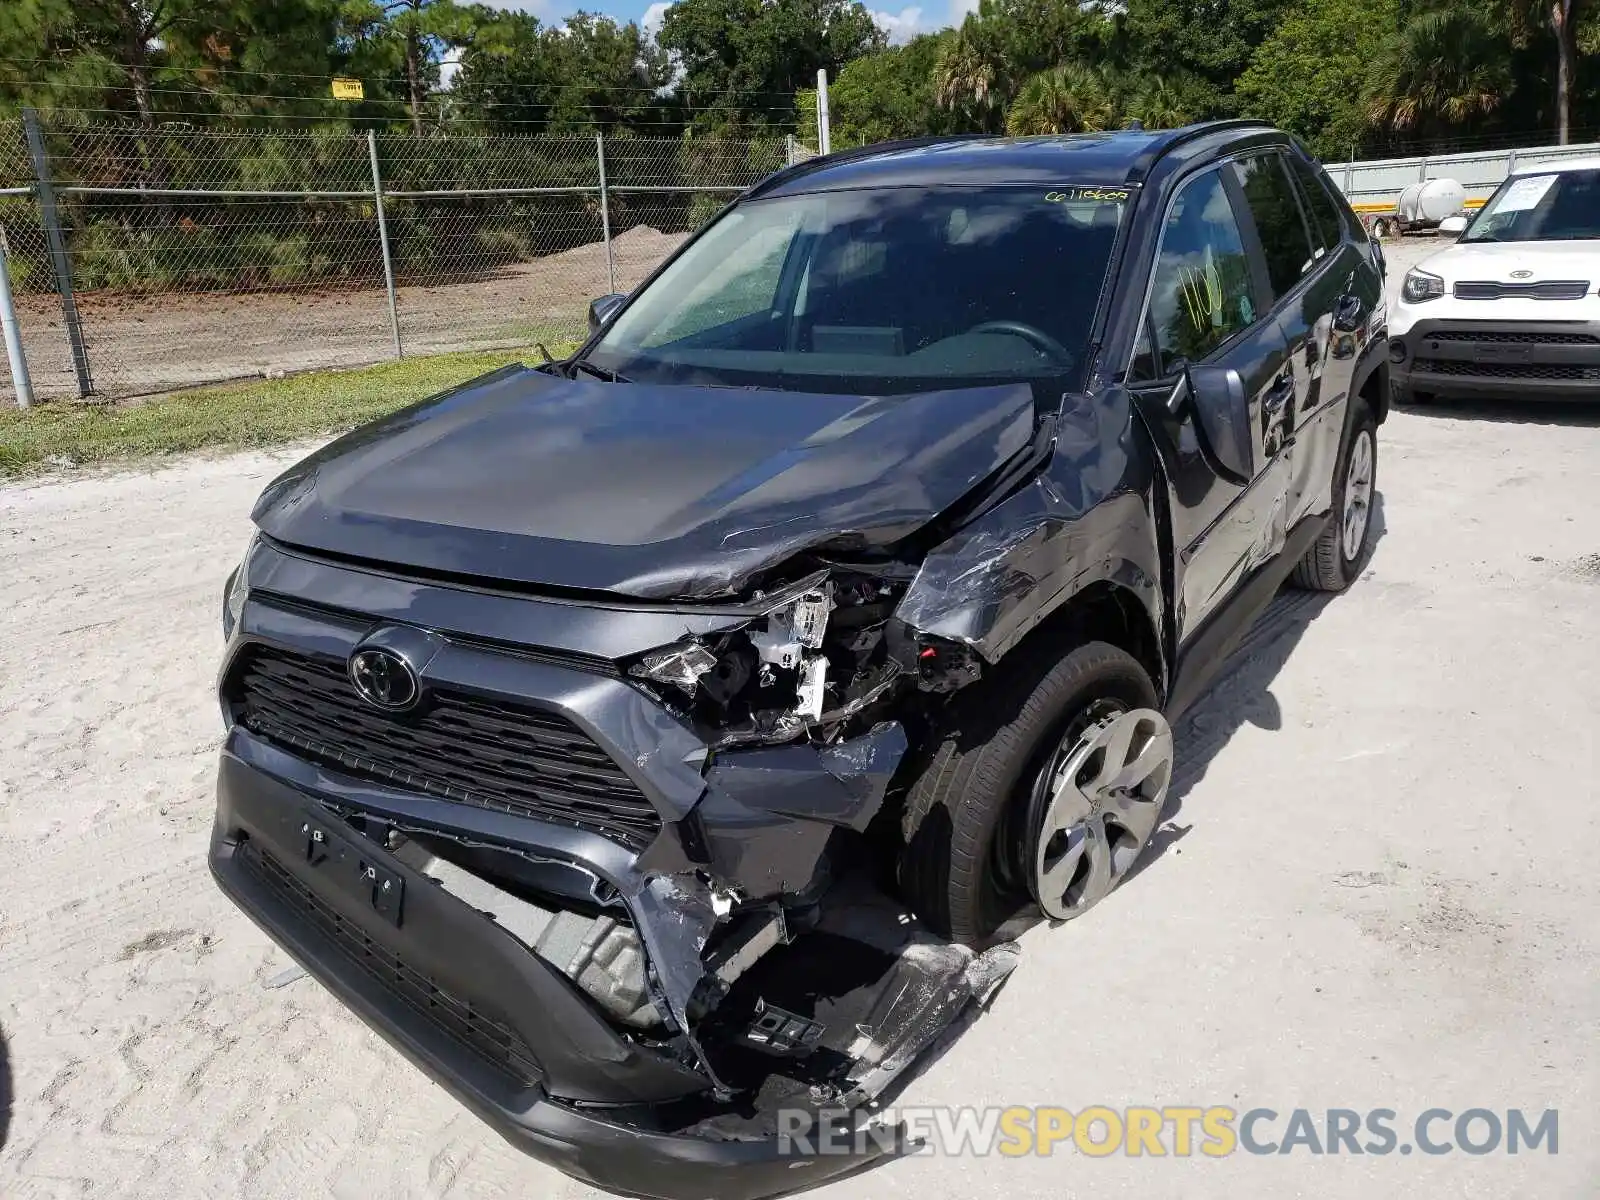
<point>664,745</point>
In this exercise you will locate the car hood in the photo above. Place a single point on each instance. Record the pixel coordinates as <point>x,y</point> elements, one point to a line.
<point>1495,261</point>
<point>648,491</point>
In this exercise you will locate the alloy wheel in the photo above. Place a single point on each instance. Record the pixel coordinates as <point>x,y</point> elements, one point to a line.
<point>1103,789</point>
<point>1357,495</point>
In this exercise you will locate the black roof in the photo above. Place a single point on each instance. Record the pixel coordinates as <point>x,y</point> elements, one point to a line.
<point>1104,159</point>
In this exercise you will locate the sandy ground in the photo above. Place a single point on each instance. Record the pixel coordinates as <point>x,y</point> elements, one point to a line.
<point>145,344</point>
<point>1376,886</point>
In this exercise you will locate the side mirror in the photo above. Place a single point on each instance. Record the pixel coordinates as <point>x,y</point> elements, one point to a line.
<point>1222,412</point>
<point>602,309</point>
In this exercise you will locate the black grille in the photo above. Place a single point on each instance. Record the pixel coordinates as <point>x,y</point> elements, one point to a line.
<point>1555,289</point>
<point>1573,372</point>
<point>485,1036</point>
<point>1507,337</point>
<point>458,747</point>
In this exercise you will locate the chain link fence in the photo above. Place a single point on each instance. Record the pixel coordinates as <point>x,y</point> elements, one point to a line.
<point>148,259</point>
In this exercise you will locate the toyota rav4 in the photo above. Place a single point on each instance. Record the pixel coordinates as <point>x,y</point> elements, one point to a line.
<point>661,740</point>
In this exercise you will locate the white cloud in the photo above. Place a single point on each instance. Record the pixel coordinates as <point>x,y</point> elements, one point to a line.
<point>911,21</point>
<point>901,26</point>
<point>448,68</point>
<point>651,21</point>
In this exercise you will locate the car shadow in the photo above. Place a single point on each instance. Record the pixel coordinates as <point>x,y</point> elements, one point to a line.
<point>5,1089</point>
<point>1581,414</point>
<point>1240,695</point>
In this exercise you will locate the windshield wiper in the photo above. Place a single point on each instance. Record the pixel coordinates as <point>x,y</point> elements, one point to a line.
<point>574,365</point>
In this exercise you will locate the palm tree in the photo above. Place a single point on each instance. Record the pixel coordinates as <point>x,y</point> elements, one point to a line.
<point>1444,67</point>
<point>1164,102</point>
<point>969,76</point>
<point>1071,98</point>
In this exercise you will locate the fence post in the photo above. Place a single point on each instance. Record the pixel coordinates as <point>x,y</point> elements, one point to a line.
<point>13,331</point>
<point>605,214</point>
<point>51,220</point>
<point>788,150</point>
<point>1511,163</point>
<point>383,242</point>
<point>1422,170</point>
<point>824,124</point>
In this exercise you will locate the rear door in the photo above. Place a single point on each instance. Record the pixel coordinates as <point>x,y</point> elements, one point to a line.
<point>1318,306</point>
<point>1207,306</point>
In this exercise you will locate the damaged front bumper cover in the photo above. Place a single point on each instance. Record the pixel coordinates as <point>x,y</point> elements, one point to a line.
<point>507,1034</point>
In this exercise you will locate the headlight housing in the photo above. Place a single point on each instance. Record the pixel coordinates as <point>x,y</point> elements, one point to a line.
<point>235,591</point>
<point>1420,286</point>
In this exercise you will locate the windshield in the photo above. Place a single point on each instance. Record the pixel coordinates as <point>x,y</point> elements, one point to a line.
<point>1558,207</point>
<point>878,291</point>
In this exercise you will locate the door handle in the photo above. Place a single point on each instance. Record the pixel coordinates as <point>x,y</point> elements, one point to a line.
<point>1347,313</point>
<point>1278,395</point>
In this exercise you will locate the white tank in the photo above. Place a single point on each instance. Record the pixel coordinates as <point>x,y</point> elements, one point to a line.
<point>1431,202</point>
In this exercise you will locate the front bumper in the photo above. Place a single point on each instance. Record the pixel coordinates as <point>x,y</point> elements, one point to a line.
<point>302,845</point>
<point>1527,360</point>
<point>478,978</point>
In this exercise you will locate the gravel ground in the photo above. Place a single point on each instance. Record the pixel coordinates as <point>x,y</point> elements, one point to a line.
<point>1376,886</point>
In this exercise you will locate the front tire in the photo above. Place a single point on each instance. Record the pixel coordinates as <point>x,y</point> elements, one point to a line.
<point>966,841</point>
<point>1335,558</point>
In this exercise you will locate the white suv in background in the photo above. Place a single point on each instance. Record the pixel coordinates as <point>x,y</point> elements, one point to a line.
<point>1511,310</point>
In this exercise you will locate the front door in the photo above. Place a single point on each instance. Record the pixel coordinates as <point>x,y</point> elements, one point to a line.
<point>1207,307</point>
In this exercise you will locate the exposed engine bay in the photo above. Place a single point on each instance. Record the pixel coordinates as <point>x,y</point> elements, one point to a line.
<point>827,652</point>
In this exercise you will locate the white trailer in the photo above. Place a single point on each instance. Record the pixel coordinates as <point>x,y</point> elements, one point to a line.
<point>1375,187</point>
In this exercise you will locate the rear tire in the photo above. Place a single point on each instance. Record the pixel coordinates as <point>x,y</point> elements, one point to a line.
<point>1335,558</point>
<point>963,822</point>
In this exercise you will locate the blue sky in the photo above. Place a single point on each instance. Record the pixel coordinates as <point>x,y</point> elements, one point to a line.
<point>900,22</point>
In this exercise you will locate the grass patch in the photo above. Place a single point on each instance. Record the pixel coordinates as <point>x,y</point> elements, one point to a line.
<point>232,416</point>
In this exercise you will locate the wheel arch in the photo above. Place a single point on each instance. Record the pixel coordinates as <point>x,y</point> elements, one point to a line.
<point>1104,610</point>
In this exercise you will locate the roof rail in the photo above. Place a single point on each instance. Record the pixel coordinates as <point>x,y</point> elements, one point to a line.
<point>819,161</point>
<point>1188,133</point>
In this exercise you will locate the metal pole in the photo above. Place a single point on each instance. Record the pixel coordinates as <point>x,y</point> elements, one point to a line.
<point>13,331</point>
<point>788,150</point>
<point>605,214</point>
<point>824,133</point>
<point>51,220</point>
<point>383,241</point>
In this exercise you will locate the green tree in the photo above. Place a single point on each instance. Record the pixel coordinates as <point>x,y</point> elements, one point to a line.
<point>418,33</point>
<point>1005,43</point>
<point>592,74</point>
<point>1211,39</point>
<point>1066,99</point>
<point>144,57</point>
<point>888,95</point>
<point>1444,71</point>
<point>744,60</point>
<point>1309,75</point>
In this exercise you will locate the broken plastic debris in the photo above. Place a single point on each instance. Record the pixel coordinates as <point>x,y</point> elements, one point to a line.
<point>680,665</point>
<point>809,618</point>
<point>813,677</point>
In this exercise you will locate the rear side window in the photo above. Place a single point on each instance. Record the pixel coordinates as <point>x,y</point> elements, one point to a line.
<point>1320,208</point>
<point>1201,291</point>
<point>1279,224</point>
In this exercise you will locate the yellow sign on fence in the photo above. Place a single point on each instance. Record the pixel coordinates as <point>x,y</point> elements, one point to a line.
<point>348,89</point>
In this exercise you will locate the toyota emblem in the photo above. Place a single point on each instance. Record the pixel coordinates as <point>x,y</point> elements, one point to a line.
<point>1522,274</point>
<point>383,679</point>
